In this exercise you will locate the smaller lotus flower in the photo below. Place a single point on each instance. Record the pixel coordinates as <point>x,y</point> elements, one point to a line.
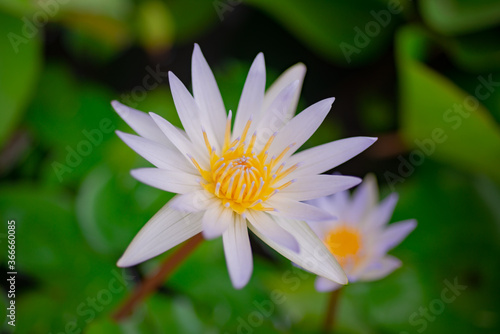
<point>360,238</point>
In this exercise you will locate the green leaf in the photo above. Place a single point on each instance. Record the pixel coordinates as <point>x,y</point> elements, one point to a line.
<point>112,207</point>
<point>456,238</point>
<point>44,226</point>
<point>431,124</point>
<point>476,52</point>
<point>19,67</point>
<point>453,17</point>
<point>342,31</point>
<point>103,326</point>
<point>74,121</point>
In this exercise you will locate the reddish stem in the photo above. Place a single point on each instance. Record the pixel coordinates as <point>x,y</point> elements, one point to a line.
<point>331,311</point>
<point>151,283</point>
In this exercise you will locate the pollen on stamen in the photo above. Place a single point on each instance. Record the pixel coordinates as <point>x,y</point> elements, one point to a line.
<point>255,203</point>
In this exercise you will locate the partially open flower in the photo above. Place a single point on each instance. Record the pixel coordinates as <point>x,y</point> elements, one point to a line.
<point>233,176</point>
<point>360,238</point>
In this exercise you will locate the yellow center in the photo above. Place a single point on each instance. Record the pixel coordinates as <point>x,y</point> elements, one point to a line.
<point>344,243</point>
<point>241,177</point>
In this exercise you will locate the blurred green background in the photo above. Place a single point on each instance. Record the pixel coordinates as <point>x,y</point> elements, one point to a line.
<point>423,76</point>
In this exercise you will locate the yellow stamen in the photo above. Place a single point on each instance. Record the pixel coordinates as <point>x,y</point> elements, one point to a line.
<point>207,143</point>
<point>240,177</point>
<point>345,243</point>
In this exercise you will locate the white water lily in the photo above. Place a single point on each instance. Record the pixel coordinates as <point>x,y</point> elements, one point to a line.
<point>230,177</point>
<point>360,238</point>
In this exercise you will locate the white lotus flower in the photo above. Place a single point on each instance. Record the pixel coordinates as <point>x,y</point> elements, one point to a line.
<point>360,238</point>
<point>232,177</point>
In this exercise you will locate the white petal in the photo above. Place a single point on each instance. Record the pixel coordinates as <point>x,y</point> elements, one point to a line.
<point>339,204</point>
<point>159,155</point>
<point>316,186</point>
<point>141,123</point>
<point>276,116</point>
<point>293,209</point>
<point>187,109</point>
<point>381,214</point>
<point>194,201</point>
<point>216,220</point>
<point>322,158</point>
<point>322,228</point>
<point>165,230</point>
<point>266,225</point>
<point>252,96</point>
<point>174,182</point>
<point>363,200</point>
<point>325,285</point>
<point>294,73</point>
<point>380,268</point>
<point>394,234</point>
<point>207,94</point>
<point>300,128</point>
<point>335,204</point>
<point>238,252</point>
<point>186,148</point>
<point>313,256</point>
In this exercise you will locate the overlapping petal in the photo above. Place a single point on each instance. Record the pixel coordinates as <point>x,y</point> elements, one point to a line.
<point>141,123</point>
<point>313,255</point>
<point>165,230</point>
<point>189,161</point>
<point>207,94</point>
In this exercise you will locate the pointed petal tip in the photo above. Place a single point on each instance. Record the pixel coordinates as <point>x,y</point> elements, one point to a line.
<point>394,197</point>
<point>138,173</point>
<point>172,78</point>
<point>155,117</point>
<point>118,107</point>
<point>329,101</point>
<point>123,262</point>
<point>413,223</point>
<point>259,63</point>
<point>300,66</point>
<point>355,180</point>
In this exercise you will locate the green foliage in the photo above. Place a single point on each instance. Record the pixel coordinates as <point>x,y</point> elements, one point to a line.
<point>65,175</point>
<point>328,26</point>
<point>430,104</point>
<point>460,16</point>
<point>19,67</point>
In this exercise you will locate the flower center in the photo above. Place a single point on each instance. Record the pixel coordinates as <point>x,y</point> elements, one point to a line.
<point>344,243</point>
<point>241,177</point>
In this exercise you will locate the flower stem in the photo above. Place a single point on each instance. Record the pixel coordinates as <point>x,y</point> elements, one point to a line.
<point>331,311</point>
<point>151,283</point>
